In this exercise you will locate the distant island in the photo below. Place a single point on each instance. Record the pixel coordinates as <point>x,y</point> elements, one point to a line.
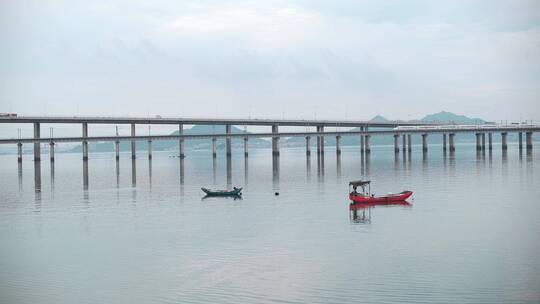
<point>440,117</point>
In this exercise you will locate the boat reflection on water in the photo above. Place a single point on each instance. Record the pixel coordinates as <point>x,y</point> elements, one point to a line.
<point>212,197</point>
<point>360,213</point>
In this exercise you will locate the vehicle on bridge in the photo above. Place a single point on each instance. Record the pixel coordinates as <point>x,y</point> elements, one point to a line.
<point>8,114</point>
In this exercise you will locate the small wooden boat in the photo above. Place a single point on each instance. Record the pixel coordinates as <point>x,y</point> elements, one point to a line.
<point>368,197</point>
<point>234,192</point>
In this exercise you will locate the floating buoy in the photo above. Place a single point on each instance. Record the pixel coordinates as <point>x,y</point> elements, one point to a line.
<point>276,193</point>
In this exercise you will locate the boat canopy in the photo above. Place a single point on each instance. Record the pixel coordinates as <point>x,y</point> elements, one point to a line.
<point>360,183</point>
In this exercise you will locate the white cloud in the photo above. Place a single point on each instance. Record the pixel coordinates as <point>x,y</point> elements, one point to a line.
<point>261,28</point>
<point>386,57</point>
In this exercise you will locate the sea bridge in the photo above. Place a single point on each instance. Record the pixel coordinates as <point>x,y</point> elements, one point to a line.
<point>401,131</point>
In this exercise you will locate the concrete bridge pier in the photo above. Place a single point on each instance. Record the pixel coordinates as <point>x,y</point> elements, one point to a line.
<point>318,141</point>
<point>19,151</point>
<point>451,142</point>
<point>409,143</point>
<point>133,143</point>
<point>181,141</point>
<point>245,147</point>
<point>37,149</point>
<point>520,140</point>
<point>504,144</point>
<point>85,143</point>
<point>275,140</point>
<point>404,143</point>
<point>444,142</point>
<point>483,141</point>
<point>117,149</point>
<point>362,141</point>
<point>214,147</point>
<point>228,140</point>
<point>308,146</point>
<point>396,143</point>
<point>338,145</point>
<point>529,142</point>
<point>149,149</point>
<point>478,142</point>
<point>51,151</point>
<point>424,143</point>
<point>490,141</point>
<point>368,147</point>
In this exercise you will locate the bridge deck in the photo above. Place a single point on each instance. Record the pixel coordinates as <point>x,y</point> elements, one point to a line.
<point>282,134</point>
<point>204,121</point>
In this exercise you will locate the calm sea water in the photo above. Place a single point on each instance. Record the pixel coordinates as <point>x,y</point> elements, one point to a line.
<point>103,232</point>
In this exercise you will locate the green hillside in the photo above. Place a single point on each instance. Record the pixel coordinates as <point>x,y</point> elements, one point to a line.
<point>444,117</point>
<point>447,117</point>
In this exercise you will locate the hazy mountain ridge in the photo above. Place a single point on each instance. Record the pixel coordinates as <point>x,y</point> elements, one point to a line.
<point>448,117</point>
<point>172,145</point>
<point>206,144</point>
<point>440,117</point>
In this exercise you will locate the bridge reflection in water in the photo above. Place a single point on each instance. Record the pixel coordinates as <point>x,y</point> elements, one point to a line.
<point>359,213</point>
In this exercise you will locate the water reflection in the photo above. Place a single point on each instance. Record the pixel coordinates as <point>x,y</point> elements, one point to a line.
<point>19,174</point>
<point>246,171</point>
<point>362,164</point>
<point>133,182</point>
<point>360,213</point>
<point>320,166</point>
<point>52,178</point>
<point>37,176</point>
<point>404,159</point>
<point>275,172</point>
<point>452,161</point>
<point>338,165</point>
<point>308,167</point>
<point>214,169</point>
<point>133,173</point>
<point>85,175</point>
<point>229,172</point>
<point>182,173</point>
<point>37,184</point>
<point>117,174</point>
<point>150,173</point>
<point>220,198</point>
<point>368,163</point>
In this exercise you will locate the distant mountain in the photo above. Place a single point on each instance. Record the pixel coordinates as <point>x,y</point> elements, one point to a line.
<point>448,117</point>
<point>441,117</point>
<point>379,118</point>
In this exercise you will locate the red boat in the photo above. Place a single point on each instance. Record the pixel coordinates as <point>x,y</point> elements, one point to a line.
<point>368,197</point>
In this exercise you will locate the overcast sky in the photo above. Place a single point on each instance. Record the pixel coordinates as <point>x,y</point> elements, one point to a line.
<point>327,59</point>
